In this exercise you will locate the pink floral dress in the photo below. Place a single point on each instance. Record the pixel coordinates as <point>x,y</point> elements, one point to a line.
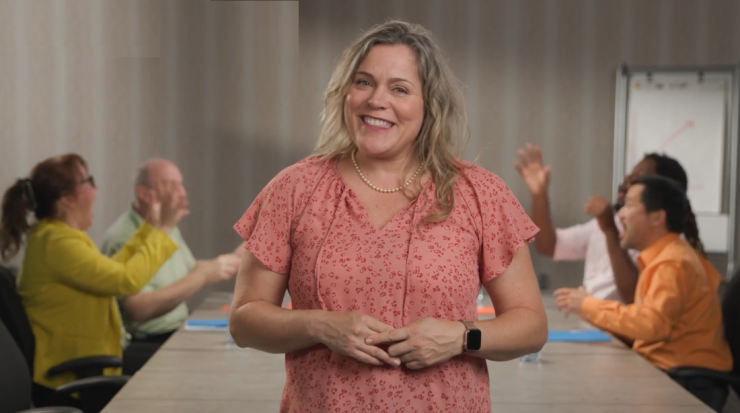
<point>307,224</point>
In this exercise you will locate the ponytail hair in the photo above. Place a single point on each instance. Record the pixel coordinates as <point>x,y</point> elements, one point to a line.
<point>691,231</point>
<point>14,223</point>
<point>49,181</point>
<point>671,168</point>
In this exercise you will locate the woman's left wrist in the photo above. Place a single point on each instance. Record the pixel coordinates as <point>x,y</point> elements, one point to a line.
<point>460,330</point>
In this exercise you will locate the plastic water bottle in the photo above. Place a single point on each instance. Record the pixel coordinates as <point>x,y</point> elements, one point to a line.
<point>531,358</point>
<point>479,300</point>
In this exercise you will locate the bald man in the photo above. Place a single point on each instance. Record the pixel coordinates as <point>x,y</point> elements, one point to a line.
<point>156,312</point>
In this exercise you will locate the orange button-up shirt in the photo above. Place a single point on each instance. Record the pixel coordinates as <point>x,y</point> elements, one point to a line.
<point>676,319</point>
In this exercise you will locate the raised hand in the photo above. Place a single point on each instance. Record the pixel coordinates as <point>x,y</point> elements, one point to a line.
<point>173,206</point>
<point>536,176</point>
<point>599,208</point>
<point>152,208</point>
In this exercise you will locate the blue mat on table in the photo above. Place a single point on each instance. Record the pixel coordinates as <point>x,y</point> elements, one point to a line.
<point>215,324</point>
<point>578,335</point>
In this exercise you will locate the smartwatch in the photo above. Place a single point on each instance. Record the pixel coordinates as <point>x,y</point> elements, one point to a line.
<point>471,337</point>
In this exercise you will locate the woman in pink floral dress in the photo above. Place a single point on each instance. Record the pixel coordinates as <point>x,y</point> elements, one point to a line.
<point>383,239</point>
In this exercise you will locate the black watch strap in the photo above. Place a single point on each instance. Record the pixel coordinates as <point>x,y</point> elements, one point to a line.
<point>472,337</point>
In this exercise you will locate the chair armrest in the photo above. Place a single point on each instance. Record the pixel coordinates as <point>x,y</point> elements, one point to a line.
<point>699,372</point>
<point>60,409</point>
<point>99,382</point>
<point>86,366</point>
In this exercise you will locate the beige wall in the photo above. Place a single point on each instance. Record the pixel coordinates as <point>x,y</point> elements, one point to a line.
<point>535,71</point>
<point>222,89</point>
<point>208,85</point>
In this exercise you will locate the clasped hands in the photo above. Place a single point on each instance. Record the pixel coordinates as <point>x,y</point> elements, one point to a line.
<point>424,343</point>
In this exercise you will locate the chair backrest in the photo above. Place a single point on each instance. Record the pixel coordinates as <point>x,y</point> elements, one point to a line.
<point>13,315</point>
<point>731,317</point>
<point>15,380</point>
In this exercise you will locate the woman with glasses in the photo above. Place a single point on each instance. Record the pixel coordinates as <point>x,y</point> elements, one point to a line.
<point>67,286</point>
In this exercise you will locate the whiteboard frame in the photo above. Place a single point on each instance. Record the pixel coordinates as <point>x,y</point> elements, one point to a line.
<point>730,190</point>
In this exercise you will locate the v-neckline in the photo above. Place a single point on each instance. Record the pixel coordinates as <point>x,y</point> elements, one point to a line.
<point>366,215</point>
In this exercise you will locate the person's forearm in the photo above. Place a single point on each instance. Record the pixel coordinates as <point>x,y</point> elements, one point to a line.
<point>512,334</point>
<point>264,326</point>
<point>635,322</point>
<point>545,239</point>
<point>625,271</point>
<point>146,306</point>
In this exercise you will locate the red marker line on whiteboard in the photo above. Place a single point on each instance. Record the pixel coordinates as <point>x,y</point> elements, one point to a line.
<point>676,134</point>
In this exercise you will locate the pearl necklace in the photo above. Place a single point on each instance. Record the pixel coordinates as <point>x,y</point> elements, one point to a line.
<point>386,191</point>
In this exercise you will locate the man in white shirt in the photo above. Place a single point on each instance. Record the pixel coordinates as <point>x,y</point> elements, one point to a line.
<point>610,272</point>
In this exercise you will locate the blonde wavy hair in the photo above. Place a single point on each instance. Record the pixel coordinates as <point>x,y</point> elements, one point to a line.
<point>444,131</point>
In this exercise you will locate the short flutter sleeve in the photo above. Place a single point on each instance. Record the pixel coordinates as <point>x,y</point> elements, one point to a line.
<point>504,225</point>
<point>266,225</point>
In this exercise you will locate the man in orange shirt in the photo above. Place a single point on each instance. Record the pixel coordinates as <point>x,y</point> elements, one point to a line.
<point>676,319</point>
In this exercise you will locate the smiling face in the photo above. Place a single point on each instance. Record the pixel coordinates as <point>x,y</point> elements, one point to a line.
<point>77,203</point>
<point>633,217</point>
<point>641,228</point>
<point>163,178</point>
<point>384,106</point>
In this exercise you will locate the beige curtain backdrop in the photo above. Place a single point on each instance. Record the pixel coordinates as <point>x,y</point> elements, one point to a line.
<point>534,71</point>
<point>209,85</point>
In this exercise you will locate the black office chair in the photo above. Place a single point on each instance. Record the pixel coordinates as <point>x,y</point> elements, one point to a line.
<point>15,382</point>
<point>95,389</point>
<point>731,318</point>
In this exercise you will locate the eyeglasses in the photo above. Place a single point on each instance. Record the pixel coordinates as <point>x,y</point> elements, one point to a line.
<point>89,179</point>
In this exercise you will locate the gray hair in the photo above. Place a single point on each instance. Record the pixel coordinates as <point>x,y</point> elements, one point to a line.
<point>143,176</point>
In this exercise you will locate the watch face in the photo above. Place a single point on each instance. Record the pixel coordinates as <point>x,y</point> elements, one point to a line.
<point>474,340</point>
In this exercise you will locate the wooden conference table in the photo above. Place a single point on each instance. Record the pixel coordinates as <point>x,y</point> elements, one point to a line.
<point>201,372</point>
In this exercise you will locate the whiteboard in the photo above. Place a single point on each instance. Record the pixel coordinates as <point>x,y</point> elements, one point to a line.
<point>691,115</point>
<point>713,224</point>
<point>683,117</point>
